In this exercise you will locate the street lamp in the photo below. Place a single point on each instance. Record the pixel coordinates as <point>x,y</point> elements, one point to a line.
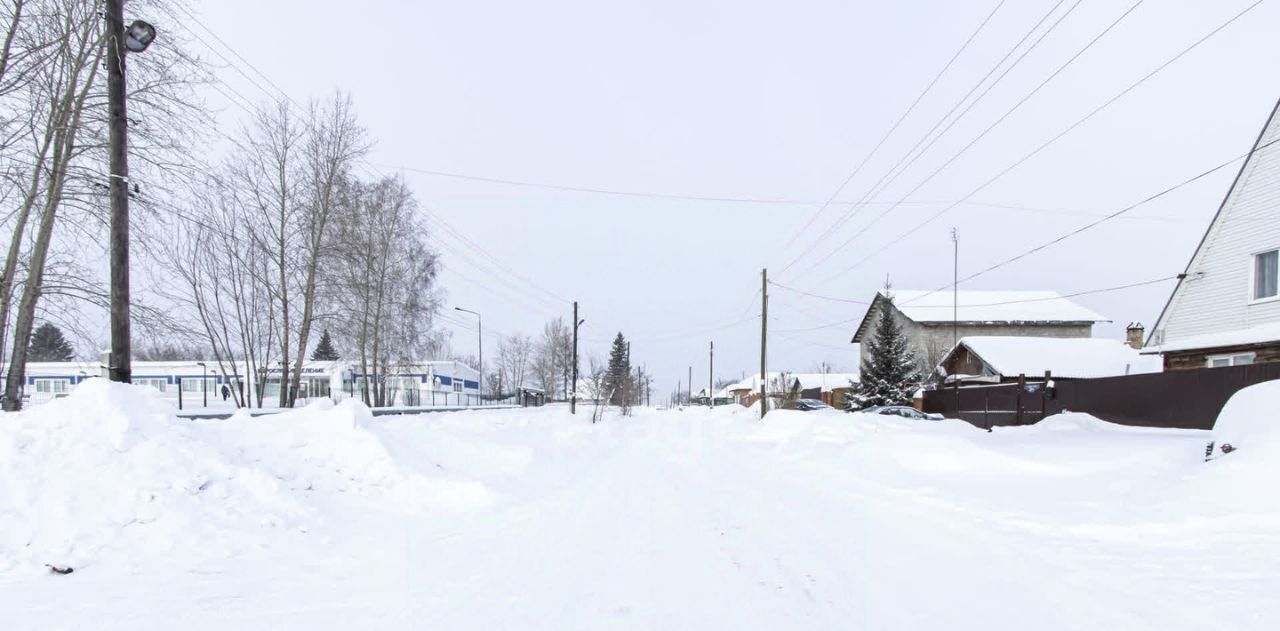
<point>139,36</point>
<point>136,38</point>
<point>204,382</point>
<point>480,345</point>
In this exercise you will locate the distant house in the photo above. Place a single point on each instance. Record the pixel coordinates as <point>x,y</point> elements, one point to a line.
<point>831,388</point>
<point>997,359</point>
<point>1225,310</point>
<point>927,318</point>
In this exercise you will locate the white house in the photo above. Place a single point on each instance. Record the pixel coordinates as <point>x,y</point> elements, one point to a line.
<point>1225,309</point>
<point>190,384</point>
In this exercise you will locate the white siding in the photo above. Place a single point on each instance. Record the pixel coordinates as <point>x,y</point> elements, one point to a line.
<point>1215,295</point>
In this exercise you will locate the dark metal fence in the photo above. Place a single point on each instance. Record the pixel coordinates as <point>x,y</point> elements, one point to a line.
<point>1187,399</point>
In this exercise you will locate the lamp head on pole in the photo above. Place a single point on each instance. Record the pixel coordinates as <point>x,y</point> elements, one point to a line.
<point>139,36</point>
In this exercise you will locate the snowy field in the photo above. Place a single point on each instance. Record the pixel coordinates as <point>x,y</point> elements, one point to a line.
<point>327,518</point>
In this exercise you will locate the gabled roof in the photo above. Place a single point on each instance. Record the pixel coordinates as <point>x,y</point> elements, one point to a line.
<point>1158,331</point>
<point>983,306</point>
<point>1080,358</point>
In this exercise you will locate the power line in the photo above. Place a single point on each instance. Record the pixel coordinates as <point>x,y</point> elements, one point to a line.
<point>1047,143</point>
<point>893,128</point>
<point>819,296</point>
<point>881,184</point>
<point>1092,224</point>
<point>983,134</point>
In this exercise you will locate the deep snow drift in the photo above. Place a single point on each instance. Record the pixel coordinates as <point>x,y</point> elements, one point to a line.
<point>327,518</point>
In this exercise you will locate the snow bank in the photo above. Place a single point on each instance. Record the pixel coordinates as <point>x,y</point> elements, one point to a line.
<point>110,469</point>
<point>1250,423</point>
<point>111,466</point>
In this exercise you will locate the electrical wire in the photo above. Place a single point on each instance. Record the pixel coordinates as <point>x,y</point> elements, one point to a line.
<point>911,108</point>
<point>1047,143</point>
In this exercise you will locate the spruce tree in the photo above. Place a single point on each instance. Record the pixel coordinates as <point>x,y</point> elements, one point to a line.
<point>619,374</point>
<point>890,375</point>
<point>324,350</point>
<point>48,345</point>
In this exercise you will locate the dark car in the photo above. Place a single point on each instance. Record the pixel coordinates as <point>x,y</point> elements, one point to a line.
<point>903,411</point>
<point>805,405</point>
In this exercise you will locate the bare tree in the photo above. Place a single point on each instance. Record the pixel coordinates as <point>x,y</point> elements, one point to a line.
<point>552,358</point>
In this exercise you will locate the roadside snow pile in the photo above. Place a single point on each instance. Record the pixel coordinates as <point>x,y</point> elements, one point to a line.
<point>1250,424</point>
<point>110,470</point>
<point>321,447</point>
<point>111,467</point>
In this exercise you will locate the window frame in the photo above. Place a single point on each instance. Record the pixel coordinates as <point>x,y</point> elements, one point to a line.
<point>1253,276</point>
<point>51,382</point>
<point>1231,358</point>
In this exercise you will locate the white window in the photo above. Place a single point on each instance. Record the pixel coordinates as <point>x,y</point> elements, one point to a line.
<point>52,386</point>
<point>158,384</point>
<point>1234,359</point>
<point>457,385</point>
<point>192,384</point>
<point>1266,270</point>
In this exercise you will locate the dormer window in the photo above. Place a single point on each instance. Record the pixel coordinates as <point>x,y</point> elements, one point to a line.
<point>1266,269</point>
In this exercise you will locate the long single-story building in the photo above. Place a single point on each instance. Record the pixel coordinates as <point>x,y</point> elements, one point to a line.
<point>191,383</point>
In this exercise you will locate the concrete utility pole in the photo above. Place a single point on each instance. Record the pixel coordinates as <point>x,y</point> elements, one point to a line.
<point>764,339</point>
<point>120,364</point>
<point>573,397</point>
<point>480,349</point>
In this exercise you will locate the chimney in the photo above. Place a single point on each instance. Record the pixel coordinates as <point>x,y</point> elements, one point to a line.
<point>1133,335</point>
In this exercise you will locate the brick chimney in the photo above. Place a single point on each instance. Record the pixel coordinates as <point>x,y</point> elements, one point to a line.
<point>1133,334</point>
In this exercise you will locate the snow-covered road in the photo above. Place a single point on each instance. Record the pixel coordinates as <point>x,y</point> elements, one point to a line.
<point>700,519</point>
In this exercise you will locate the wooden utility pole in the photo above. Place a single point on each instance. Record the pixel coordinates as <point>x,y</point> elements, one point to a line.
<point>711,377</point>
<point>119,365</point>
<point>573,396</point>
<point>764,340</point>
<point>688,400</point>
<point>955,288</point>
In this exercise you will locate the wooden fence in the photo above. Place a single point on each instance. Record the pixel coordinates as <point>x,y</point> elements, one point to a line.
<point>1187,399</point>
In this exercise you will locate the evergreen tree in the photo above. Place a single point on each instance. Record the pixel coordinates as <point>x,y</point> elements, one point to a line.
<point>890,375</point>
<point>48,345</point>
<point>324,350</point>
<point>618,377</point>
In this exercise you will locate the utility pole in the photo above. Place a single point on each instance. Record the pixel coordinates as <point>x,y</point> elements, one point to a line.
<point>688,400</point>
<point>480,349</point>
<point>764,339</point>
<point>955,288</point>
<point>711,376</point>
<point>120,364</point>
<point>573,397</point>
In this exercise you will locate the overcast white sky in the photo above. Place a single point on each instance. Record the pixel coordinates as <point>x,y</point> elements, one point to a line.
<point>775,101</point>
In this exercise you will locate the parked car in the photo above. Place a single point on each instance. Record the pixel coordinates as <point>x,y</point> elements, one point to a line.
<point>805,405</point>
<point>903,411</point>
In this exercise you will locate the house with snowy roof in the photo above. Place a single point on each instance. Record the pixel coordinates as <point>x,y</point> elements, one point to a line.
<point>1001,359</point>
<point>1225,309</point>
<point>933,321</point>
<point>831,388</point>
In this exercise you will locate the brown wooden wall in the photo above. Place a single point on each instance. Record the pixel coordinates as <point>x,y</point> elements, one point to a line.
<point>1200,358</point>
<point>1188,399</point>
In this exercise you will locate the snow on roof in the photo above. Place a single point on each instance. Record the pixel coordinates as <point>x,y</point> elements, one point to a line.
<point>1259,334</point>
<point>991,306</point>
<point>808,381</point>
<point>1081,358</point>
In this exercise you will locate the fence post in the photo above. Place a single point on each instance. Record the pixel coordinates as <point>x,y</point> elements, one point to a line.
<point>986,408</point>
<point>1044,394</point>
<point>955,387</point>
<point>1022,383</point>
<point>179,393</point>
